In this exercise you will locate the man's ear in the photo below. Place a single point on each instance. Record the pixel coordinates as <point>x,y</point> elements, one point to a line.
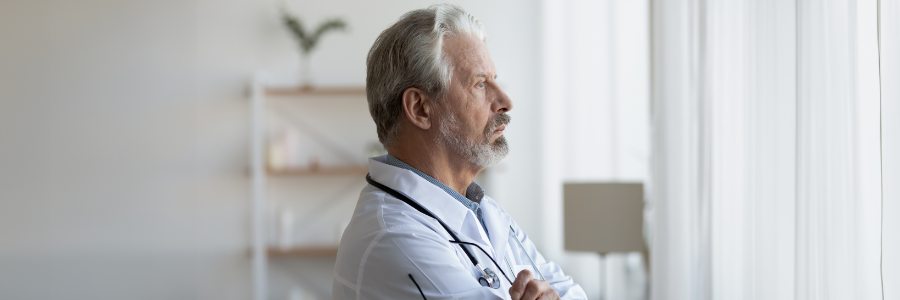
<point>418,108</point>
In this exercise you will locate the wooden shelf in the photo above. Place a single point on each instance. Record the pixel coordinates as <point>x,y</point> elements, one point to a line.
<point>320,171</point>
<point>316,91</point>
<point>303,252</point>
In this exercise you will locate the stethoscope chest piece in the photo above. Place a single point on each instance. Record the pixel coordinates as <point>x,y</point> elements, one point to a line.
<point>489,278</point>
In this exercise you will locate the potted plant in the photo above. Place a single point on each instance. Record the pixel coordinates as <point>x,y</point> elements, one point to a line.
<point>308,40</point>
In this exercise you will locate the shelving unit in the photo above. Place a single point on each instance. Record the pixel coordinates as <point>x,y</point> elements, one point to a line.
<point>331,171</point>
<point>260,250</point>
<point>303,252</point>
<point>310,91</point>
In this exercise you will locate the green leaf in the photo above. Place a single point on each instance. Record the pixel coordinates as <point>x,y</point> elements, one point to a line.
<point>305,40</point>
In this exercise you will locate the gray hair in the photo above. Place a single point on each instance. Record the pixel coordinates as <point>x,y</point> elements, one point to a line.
<point>410,54</point>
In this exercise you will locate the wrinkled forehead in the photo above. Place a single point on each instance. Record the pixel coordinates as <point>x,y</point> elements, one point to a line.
<point>468,56</point>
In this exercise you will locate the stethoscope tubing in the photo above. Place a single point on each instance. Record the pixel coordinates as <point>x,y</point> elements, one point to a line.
<point>515,237</point>
<point>456,239</point>
<point>489,256</point>
<point>424,211</point>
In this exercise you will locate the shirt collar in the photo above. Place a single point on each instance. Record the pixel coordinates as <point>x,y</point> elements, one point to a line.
<point>474,193</point>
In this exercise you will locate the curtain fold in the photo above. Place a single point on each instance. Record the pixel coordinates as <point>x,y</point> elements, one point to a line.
<point>890,152</point>
<point>761,133</point>
<point>826,190</point>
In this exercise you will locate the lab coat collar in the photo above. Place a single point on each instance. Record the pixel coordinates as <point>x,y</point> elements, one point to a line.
<point>420,190</point>
<point>497,222</point>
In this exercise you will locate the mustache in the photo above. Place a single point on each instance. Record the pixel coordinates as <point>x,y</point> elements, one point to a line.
<point>499,119</point>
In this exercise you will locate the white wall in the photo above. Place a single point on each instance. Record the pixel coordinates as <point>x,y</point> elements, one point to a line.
<point>122,155</point>
<point>123,135</point>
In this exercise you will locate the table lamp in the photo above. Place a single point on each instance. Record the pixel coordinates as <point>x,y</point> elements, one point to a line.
<point>604,217</point>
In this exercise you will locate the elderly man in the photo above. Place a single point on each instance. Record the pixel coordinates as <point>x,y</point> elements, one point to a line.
<point>422,227</point>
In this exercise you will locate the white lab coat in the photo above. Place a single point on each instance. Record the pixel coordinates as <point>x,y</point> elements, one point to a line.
<point>388,240</point>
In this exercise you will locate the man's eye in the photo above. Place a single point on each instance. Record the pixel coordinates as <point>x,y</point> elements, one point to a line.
<point>480,84</point>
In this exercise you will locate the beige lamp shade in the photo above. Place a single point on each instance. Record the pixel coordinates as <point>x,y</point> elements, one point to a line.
<point>603,217</point>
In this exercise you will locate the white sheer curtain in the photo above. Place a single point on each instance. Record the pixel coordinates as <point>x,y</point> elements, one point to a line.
<point>596,77</point>
<point>765,180</point>
<point>890,141</point>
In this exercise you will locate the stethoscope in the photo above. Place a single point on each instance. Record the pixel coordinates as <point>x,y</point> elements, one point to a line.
<point>488,278</point>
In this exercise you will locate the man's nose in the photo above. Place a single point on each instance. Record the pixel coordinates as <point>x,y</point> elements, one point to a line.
<point>502,102</point>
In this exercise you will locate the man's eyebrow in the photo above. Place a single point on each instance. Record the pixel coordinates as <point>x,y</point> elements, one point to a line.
<point>486,75</point>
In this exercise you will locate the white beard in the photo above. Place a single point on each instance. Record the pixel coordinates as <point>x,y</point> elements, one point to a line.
<point>481,153</point>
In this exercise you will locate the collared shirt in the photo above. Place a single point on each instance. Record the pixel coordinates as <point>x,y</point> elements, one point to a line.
<point>472,199</point>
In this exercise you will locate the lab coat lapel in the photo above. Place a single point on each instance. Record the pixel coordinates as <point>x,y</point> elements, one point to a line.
<point>431,197</point>
<point>497,223</point>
